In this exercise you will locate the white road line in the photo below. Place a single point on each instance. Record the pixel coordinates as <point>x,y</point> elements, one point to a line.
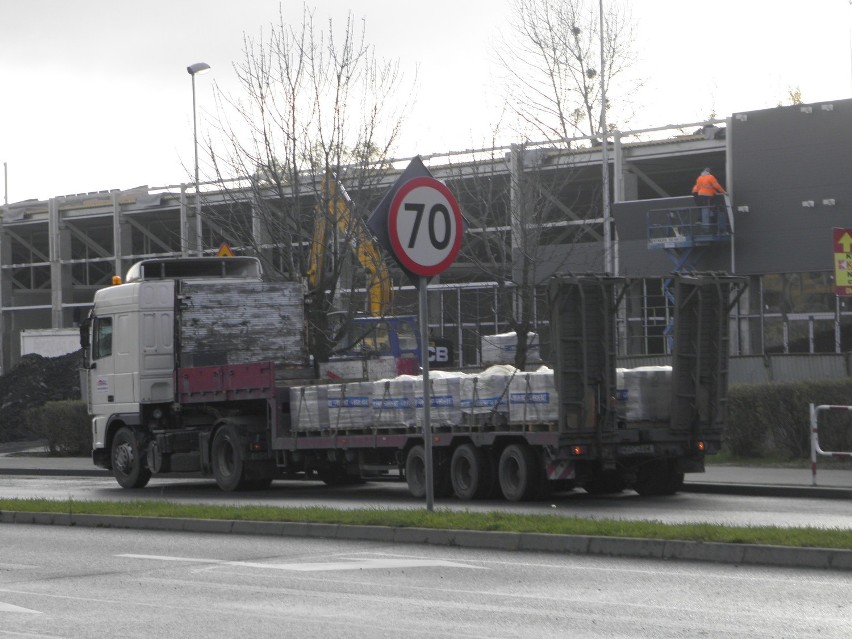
<point>4,607</point>
<point>346,564</point>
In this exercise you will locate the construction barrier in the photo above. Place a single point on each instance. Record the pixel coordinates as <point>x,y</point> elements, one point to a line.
<point>815,447</point>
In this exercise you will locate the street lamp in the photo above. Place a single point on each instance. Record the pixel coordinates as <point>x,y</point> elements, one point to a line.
<point>193,70</point>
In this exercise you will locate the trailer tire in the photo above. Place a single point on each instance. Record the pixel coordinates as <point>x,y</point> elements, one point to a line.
<point>415,473</point>
<point>226,458</point>
<point>518,472</point>
<point>128,465</point>
<point>415,470</point>
<point>470,473</point>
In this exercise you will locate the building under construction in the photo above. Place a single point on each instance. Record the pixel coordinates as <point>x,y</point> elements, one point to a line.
<point>785,170</point>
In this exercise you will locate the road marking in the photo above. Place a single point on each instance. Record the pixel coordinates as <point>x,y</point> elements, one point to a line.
<point>4,607</point>
<point>346,564</point>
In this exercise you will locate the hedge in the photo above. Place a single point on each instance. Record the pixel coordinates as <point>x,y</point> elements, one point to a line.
<point>64,425</point>
<point>773,420</point>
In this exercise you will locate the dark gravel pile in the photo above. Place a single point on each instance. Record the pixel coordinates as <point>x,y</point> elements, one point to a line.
<point>32,382</point>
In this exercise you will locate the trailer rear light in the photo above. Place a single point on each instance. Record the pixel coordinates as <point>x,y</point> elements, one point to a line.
<point>701,446</point>
<point>257,447</point>
<point>577,451</point>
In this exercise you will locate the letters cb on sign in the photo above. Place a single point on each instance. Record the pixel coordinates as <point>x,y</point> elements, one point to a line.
<point>425,226</point>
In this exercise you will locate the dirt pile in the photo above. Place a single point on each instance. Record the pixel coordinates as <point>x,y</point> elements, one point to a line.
<point>32,382</point>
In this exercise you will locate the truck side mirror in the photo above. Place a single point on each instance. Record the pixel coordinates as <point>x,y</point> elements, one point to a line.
<point>84,335</point>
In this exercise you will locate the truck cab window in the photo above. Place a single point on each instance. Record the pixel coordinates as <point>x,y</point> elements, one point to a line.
<point>102,332</point>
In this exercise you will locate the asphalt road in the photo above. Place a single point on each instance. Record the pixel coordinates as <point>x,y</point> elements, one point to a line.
<point>73,582</point>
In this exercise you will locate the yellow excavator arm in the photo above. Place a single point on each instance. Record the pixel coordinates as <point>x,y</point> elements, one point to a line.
<point>334,208</point>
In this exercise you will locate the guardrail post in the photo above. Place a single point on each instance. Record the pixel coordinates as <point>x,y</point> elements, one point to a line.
<point>813,445</point>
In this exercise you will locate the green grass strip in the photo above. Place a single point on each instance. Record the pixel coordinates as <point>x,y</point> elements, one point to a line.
<point>454,520</point>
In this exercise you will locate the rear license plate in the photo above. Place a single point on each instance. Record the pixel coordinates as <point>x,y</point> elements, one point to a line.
<point>636,449</point>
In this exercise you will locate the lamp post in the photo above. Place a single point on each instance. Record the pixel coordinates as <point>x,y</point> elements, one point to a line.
<point>609,256</point>
<point>193,70</point>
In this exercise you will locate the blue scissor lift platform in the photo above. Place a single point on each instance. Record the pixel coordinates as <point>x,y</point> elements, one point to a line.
<point>685,233</point>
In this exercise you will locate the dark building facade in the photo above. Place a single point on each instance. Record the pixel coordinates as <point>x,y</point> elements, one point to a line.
<point>786,170</point>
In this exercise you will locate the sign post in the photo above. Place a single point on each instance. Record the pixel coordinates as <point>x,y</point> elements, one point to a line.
<point>423,226</point>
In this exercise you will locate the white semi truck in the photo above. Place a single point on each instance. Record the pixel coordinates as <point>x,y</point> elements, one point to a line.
<point>199,365</point>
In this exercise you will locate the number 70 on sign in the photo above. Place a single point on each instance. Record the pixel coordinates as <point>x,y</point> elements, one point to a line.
<point>425,226</point>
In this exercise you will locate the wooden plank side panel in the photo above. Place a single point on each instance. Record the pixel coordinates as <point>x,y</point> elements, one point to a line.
<point>241,322</point>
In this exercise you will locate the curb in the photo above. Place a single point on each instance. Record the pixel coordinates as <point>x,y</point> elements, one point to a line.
<point>738,554</point>
<point>766,490</point>
<point>56,472</point>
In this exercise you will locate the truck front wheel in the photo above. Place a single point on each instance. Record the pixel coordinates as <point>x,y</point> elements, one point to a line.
<point>226,457</point>
<point>518,472</point>
<point>128,467</point>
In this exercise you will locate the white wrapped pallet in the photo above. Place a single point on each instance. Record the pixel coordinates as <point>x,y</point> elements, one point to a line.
<point>308,408</point>
<point>645,393</point>
<point>487,393</point>
<point>394,402</point>
<point>533,398</point>
<point>350,405</point>
<point>501,348</point>
<point>445,398</point>
<point>331,406</point>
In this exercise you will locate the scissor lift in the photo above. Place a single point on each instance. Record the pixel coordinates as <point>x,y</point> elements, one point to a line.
<point>685,233</point>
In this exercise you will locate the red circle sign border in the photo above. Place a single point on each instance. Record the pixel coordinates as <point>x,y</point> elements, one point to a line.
<point>401,255</point>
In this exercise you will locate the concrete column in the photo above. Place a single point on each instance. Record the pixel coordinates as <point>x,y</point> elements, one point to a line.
<point>116,235</point>
<point>516,202</point>
<point>260,233</point>
<point>59,239</point>
<point>5,301</point>
<point>617,168</point>
<point>122,237</point>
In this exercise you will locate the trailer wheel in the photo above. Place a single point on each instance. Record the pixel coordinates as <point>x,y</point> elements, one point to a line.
<point>226,457</point>
<point>128,467</point>
<point>518,472</point>
<point>415,471</point>
<point>470,473</point>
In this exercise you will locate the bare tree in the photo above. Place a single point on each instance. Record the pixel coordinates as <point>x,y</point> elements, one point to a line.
<point>313,102</point>
<point>553,63</point>
<point>552,59</point>
<point>521,207</point>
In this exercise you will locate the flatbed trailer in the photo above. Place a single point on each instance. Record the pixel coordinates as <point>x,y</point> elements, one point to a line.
<point>242,421</point>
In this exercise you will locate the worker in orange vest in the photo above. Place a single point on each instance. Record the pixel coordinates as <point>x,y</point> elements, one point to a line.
<point>705,189</point>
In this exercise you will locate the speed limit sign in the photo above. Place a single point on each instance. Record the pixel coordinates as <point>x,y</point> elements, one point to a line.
<point>425,226</point>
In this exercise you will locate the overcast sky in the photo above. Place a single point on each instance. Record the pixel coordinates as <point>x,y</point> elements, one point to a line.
<point>96,95</point>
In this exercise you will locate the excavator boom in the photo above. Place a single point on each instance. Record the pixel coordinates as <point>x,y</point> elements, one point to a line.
<point>334,208</point>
